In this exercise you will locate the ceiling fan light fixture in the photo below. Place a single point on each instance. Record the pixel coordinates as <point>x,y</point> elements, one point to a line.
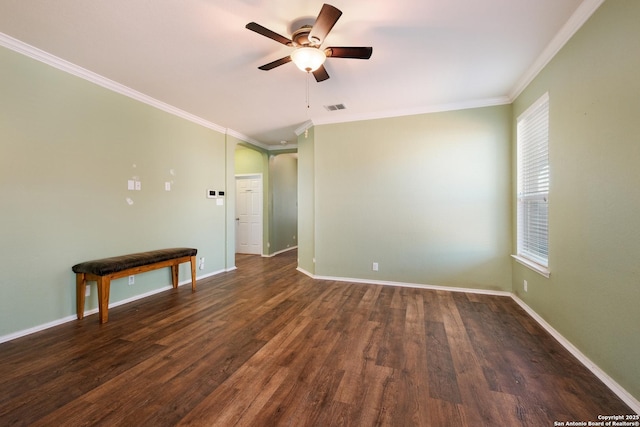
<point>308,59</point>
<point>306,42</point>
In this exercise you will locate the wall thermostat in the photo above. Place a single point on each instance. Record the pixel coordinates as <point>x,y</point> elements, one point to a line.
<point>211,194</point>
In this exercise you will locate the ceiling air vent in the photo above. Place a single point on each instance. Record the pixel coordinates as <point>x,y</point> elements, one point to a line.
<point>334,107</point>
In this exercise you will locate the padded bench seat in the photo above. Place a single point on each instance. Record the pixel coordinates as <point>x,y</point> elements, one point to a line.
<point>103,270</point>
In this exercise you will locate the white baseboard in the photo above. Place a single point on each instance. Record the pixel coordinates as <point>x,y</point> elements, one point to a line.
<point>623,394</point>
<point>280,252</point>
<point>38,328</point>
<point>42,327</point>
<point>616,388</point>
<point>204,276</point>
<point>305,272</point>
<point>410,285</point>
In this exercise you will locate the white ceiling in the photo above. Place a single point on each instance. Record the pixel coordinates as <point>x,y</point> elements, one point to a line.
<point>197,56</point>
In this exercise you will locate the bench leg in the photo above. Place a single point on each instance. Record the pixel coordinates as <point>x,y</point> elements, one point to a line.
<point>175,269</point>
<point>104,283</point>
<point>193,274</point>
<point>81,283</point>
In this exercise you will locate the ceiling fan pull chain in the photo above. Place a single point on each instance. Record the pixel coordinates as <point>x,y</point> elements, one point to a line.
<point>308,77</point>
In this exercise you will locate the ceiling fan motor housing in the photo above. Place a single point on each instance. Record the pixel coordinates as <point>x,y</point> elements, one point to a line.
<point>300,37</point>
<point>307,40</point>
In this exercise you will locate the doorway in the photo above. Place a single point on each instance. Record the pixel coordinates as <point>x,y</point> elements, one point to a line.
<point>249,214</point>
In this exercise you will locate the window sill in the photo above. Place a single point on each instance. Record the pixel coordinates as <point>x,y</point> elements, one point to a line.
<point>542,270</point>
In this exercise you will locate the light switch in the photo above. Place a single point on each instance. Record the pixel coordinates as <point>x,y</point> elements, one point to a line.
<point>131,185</point>
<point>138,185</point>
<point>167,186</point>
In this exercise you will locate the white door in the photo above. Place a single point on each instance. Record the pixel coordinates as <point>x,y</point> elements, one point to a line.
<point>249,214</point>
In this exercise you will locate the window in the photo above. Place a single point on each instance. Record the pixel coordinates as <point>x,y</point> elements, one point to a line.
<point>533,186</point>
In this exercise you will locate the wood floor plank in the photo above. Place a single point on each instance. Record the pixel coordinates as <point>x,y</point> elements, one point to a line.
<point>469,376</point>
<point>442,412</point>
<point>353,360</point>
<point>245,405</point>
<point>391,348</point>
<point>412,380</point>
<point>310,386</point>
<point>443,382</point>
<point>267,345</point>
<point>51,390</point>
<point>371,406</point>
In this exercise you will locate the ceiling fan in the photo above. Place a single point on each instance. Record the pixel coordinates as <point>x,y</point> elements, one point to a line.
<point>307,41</point>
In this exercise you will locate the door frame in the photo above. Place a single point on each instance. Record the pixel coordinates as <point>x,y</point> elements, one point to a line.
<point>262,208</point>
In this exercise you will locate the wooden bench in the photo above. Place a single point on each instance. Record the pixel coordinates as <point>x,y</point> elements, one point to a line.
<point>103,270</point>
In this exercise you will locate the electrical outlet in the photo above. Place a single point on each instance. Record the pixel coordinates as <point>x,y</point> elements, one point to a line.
<point>131,280</point>
<point>87,291</point>
<point>201,265</point>
<point>525,286</point>
<point>375,266</point>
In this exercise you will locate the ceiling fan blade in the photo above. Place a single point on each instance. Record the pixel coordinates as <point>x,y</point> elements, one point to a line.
<point>349,52</point>
<point>274,64</point>
<point>327,18</point>
<point>268,33</point>
<point>321,74</point>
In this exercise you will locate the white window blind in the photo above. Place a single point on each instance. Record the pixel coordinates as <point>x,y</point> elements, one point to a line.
<point>533,183</point>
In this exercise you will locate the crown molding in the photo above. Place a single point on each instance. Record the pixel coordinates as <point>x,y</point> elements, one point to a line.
<point>265,147</point>
<point>577,19</point>
<point>245,138</point>
<point>439,108</point>
<point>575,22</point>
<point>283,147</point>
<point>305,126</point>
<point>68,67</point>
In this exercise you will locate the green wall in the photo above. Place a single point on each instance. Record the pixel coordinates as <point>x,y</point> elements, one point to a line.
<point>68,148</point>
<point>593,293</point>
<point>250,161</point>
<point>431,197</point>
<point>427,197</point>
<point>254,161</point>
<point>306,202</point>
<point>279,175</point>
<point>283,201</point>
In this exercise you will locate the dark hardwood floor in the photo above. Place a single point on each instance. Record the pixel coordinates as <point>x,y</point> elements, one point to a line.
<point>266,345</point>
